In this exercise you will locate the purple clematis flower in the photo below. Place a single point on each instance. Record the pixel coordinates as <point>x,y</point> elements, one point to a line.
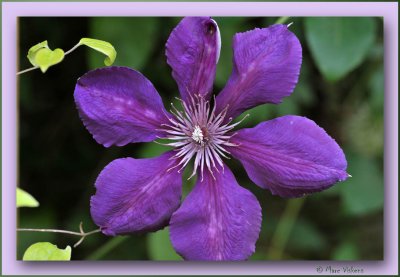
<point>219,220</point>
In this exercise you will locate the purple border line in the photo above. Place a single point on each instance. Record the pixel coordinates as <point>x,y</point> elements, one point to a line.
<point>10,11</point>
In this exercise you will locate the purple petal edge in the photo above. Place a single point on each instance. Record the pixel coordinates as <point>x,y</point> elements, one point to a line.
<point>118,105</point>
<point>290,155</point>
<point>192,51</point>
<point>136,195</point>
<point>266,68</point>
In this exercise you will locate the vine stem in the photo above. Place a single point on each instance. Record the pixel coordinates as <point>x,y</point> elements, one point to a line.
<point>27,70</point>
<point>81,233</point>
<point>36,67</point>
<point>72,49</point>
<point>284,228</point>
<point>282,19</point>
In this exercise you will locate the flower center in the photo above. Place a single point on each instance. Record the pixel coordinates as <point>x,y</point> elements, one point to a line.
<point>198,132</point>
<point>197,135</point>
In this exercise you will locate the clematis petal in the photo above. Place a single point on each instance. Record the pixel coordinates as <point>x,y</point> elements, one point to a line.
<point>266,68</point>
<point>136,195</point>
<point>118,105</point>
<point>219,220</point>
<point>290,155</point>
<point>193,51</point>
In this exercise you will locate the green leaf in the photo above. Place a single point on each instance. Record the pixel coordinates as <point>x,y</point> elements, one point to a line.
<point>102,46</point>
<point>24,199</point>
<point>347,251</point>
<point>34,49</point>
<point>257,115</point>
<point>153,149</point>
<point>160,247</point>
<point>363,193</point>
<point>339,44</point>
<point>45,251</point>
<point>135,37</point>
<point>42,56</point>
<point>45,58</point>
<point>287,107</point>
<point>306,237</point>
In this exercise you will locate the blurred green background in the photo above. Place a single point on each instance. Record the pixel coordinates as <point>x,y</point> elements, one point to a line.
<point>341,87</point>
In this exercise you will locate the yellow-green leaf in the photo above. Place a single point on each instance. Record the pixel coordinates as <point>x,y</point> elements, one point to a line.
<point>34,50</point>
<point>45,251</point>
<point>24,199</point>
<point>46,57</point>
<point>102,46</point>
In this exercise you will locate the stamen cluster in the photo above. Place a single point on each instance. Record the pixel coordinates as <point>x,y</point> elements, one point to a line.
<point>200,133</point>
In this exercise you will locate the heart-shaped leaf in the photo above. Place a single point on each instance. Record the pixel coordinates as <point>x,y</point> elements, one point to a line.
<point>46,57</point>
<point>34,50</point>
<point>102,46</point>
<point>45,251</point>
<point>339,44</point>
<point>24,199</point>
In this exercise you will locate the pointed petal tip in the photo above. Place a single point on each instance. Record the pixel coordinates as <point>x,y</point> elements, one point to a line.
<point>343,176</point>
<point>108,232</point>
<point>290,156</point>
<point>266,74</point>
